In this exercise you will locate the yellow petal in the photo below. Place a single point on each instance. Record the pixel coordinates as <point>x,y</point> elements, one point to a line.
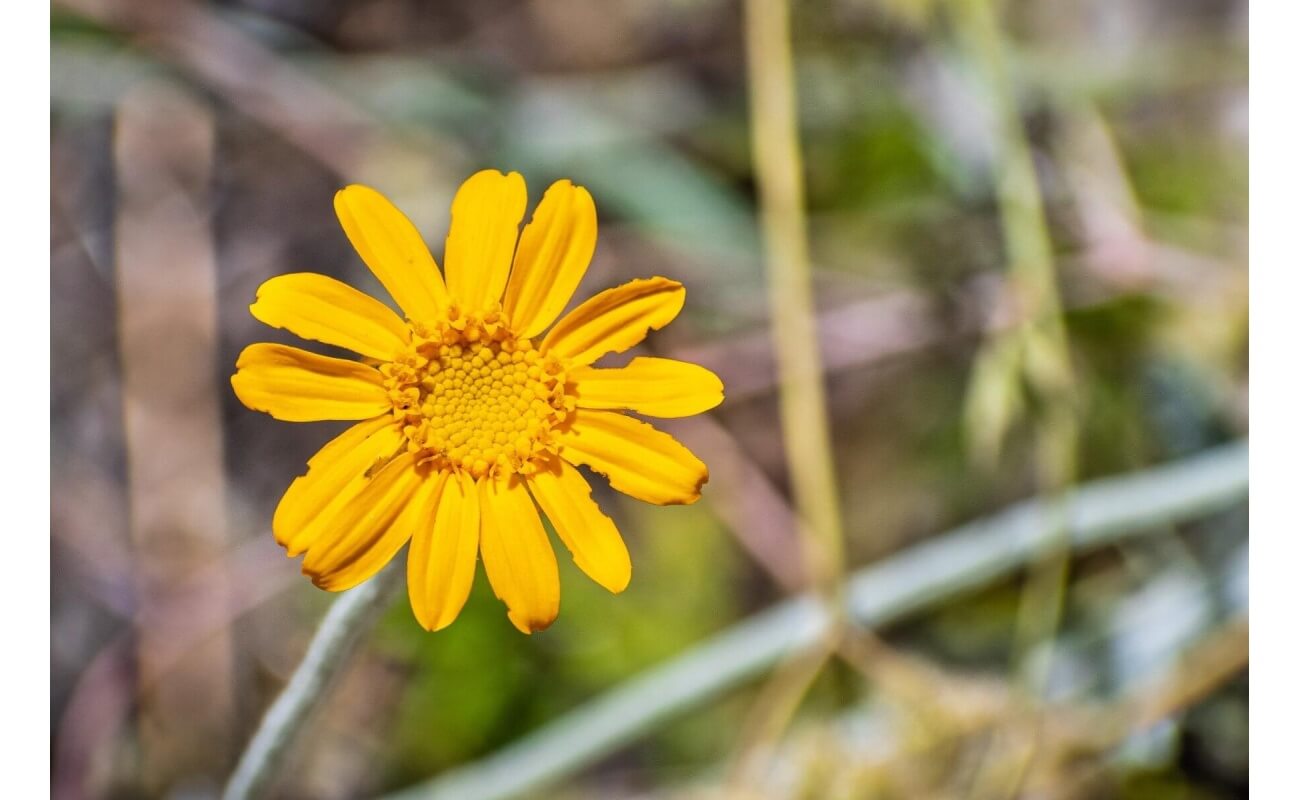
<point>598,550</point>
<point>615,319</point>
<point>297,386</point>
<point>517,556</point>
<point>320,308</point>
<point>645,463</point>
<point>485,217</point>
<point>444,552</point>
<point>392,248</point>
<point>553,255</point>
<point>659,387</point>
<point>365,536</point>
<point>334,475</point>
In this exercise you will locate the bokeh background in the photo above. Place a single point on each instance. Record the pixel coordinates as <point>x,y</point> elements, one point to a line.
<point>195,151</point>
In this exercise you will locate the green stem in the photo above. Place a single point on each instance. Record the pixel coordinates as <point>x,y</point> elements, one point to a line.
<point>348,618</point>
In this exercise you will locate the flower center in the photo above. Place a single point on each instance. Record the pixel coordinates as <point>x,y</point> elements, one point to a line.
<point>472,396</point>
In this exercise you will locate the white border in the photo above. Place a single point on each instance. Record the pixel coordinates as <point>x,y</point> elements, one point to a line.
<point>25,399</point>
<point>1274,401</point>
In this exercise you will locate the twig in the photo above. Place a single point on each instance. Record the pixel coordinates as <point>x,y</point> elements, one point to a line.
<point>1099,513</point>
<point>347,619</point>
<point>1205,667</point>
<point>747,501</point>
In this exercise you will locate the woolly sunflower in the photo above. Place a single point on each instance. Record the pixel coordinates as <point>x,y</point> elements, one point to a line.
<point>470,419</point>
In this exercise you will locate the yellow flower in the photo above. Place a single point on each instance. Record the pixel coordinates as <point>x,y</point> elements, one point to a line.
<point>471,418</point>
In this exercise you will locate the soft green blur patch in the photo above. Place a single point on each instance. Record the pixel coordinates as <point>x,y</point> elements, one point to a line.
<point>65,23</point>
<point>874,159</point>
<point>1152,785</point>
<point>976,633</point>
<point>1184,173</point>
<point>1112,345</point>
<point>683,564</point>
<point>468,687</point>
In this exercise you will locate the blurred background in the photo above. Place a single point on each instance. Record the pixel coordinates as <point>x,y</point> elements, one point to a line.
<point>196,148</point>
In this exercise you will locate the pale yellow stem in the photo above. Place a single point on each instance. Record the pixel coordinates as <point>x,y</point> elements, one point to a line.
<point>779,173</point>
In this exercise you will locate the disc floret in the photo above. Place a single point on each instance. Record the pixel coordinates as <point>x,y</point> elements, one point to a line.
<point>472,396</point>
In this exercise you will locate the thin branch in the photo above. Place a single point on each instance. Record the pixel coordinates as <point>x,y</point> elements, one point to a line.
<point>1212,662</point>
<point>970,556</point>
<point>350,616</point>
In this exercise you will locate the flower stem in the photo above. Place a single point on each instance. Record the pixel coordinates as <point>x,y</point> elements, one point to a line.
<point>347,619</point>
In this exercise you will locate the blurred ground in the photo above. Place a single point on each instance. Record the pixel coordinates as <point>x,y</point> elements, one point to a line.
<point>195,151</point>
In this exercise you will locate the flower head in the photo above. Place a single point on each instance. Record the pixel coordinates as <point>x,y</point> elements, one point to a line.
<point>470,419</point>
